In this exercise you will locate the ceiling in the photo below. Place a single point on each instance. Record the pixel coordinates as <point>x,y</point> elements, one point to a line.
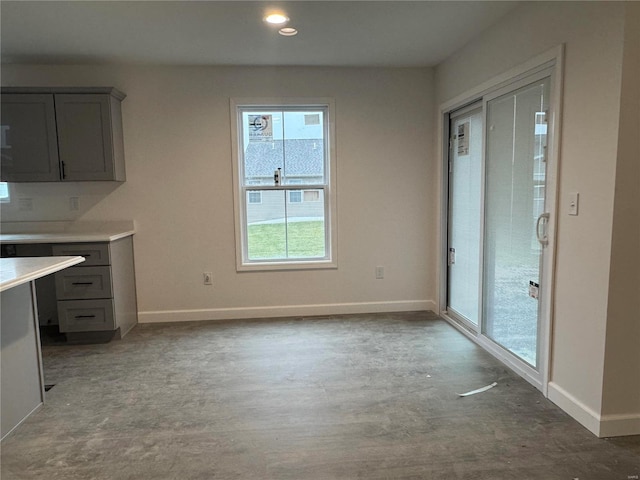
<point>331,33</point>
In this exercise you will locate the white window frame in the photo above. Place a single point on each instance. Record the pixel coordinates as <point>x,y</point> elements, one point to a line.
<point>330,260</point>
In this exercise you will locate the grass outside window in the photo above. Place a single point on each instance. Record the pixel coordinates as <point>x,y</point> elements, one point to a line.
<point>304,239</point>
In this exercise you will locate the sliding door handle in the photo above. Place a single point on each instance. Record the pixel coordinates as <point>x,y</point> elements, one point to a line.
<point>542,237</point>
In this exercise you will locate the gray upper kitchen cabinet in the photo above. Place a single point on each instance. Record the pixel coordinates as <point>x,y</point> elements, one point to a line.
<point>29,144</point>
<point>83,135</point>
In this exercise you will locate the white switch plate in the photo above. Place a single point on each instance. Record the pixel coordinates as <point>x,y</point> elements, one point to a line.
<point>574,200</point>
<point>379,273</point>
<point>73,203</point>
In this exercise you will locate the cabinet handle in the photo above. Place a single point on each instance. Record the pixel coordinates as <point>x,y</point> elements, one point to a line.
<point>85,316</point>
<point>64,174</point>
<point>81,283</point>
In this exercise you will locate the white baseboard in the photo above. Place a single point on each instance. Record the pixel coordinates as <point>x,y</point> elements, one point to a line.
<point>284,311</point>
<point>620,425</point>
<point>587,417</point>
<point>599,425</point>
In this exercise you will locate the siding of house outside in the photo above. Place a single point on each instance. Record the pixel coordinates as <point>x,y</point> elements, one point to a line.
<point>302,162</point>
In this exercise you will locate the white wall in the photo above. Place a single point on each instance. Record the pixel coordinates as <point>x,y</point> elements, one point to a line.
<point>593,35</point>
<point>179,190</point>
<point>621,389</point>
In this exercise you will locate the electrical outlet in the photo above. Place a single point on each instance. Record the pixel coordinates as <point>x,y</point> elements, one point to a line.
<point>207,278</point>
<point>379,273</point>
<point>73,203</point>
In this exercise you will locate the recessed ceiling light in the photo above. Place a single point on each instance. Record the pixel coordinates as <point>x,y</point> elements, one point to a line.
<point>288,31</point>
<point>276,18</point>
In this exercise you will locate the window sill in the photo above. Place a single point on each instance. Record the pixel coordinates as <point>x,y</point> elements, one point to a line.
<point>283,266</point>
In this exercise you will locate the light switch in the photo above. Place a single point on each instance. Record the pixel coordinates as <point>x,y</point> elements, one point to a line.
<point>573,203</point>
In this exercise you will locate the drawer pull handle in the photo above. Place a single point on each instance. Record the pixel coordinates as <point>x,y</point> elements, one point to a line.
<point>85,316</point>
<point>81,283</point>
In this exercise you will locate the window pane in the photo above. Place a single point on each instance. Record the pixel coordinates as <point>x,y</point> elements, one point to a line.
<point>273,233</point>
<point>262,142</point>
<point>266,226</point>
<point>304,147</point>
<point>306,228</point>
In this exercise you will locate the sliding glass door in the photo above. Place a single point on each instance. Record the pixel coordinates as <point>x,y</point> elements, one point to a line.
<point>514,201</point>
<point>497,181</point>
<point>465,214</point>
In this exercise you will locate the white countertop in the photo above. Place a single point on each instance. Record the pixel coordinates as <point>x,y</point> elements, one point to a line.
<point>65,232</point>
<point>15,271</point>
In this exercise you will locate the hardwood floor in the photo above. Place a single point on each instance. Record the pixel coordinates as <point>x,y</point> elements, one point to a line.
<point>342,397</point>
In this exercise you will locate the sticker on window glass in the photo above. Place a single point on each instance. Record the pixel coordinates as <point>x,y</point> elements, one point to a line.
<point>463,139</point>
<point>260,128</point>
<point>534,289</point>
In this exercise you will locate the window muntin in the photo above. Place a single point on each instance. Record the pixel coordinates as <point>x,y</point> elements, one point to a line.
<point>284,230</point>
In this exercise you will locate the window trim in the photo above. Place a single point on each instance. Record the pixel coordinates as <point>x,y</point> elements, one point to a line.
<point>330,196</point>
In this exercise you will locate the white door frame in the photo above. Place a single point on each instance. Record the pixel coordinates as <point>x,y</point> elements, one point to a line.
<point>553,59</point>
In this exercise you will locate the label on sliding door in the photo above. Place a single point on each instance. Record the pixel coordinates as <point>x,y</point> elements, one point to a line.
<point>463,139</point>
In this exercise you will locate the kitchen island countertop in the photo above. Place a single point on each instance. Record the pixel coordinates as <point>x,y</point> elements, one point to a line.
<point>18,270</point>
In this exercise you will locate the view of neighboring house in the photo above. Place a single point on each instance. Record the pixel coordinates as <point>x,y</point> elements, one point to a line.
<point>301,161</point>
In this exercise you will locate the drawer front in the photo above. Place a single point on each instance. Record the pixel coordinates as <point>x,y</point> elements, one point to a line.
<point>86,315</point>
<point>83,282</point>
<point>93,253</point>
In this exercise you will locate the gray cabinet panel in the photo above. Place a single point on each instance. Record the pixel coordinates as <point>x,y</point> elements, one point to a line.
<point>86,315</point>
<point>29,145</point>
<point>21,385</point>
<point>85,141</point>
<point>84,282</point>
<point>93,253</point>
<point>62,134</point>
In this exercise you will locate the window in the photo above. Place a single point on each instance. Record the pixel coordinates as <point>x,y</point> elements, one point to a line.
<point>254,196</point>
<point>279,147</point>
<point>311,196</point>
<point>4,192</point>
<point>295,196</point>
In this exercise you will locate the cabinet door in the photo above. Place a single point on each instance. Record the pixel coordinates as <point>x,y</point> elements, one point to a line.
<point>29,145</point>
<point>85,139</point>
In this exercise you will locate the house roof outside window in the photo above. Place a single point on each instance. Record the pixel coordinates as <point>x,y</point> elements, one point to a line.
<point>296,157</point>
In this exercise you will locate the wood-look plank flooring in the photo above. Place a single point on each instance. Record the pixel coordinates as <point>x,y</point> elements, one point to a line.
<point>341,397</point>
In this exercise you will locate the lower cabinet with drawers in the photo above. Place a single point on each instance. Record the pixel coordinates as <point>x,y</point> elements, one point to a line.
<point>99,294</point>
<point>94,301</point>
